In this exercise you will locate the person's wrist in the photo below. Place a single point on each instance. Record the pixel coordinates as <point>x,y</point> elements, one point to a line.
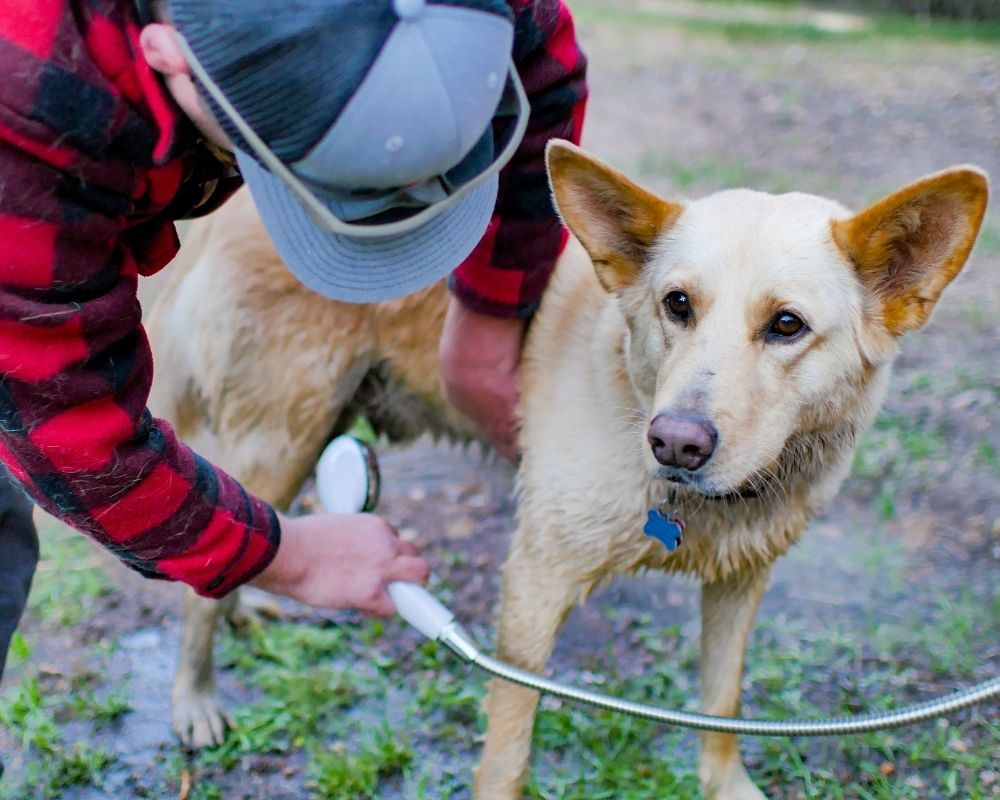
<point>286,568</point>
<point>459,307</point>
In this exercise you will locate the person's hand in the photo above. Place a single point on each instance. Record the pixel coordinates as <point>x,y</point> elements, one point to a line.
<point>341,561</point>
<point>479,367</point>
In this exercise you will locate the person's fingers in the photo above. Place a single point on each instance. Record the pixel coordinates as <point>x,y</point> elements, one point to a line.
<point>504,439</point>
<point>506,447</point>
<point>381,608</point>
<point>404,548</point>
<point>410,569</point>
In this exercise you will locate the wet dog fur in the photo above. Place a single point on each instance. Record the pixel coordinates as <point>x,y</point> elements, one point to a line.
<point>719,356</point>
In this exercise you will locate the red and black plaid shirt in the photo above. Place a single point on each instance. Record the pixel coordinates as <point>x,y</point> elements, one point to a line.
<point>95,163</point>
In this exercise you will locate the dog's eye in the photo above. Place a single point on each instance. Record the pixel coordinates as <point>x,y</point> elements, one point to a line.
<point>785,326</point>
<point>677,303</point>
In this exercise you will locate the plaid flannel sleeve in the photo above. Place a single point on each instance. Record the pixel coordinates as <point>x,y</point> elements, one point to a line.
<point>508,271</point>
<point>75,365</point>
<point>75,373</point>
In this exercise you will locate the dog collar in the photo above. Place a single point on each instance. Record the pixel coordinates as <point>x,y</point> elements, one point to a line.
<point>668,530</point>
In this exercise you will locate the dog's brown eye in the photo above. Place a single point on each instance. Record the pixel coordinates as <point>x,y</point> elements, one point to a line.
<point>677,303</point>
<point>786,325</point>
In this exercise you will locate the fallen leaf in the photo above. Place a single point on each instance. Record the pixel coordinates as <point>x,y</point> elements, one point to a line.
<point>185,785</point>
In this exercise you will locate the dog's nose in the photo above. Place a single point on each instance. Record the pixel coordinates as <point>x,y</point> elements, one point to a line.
<point>686,441</point>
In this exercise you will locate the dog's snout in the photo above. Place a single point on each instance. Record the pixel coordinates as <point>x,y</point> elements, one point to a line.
<point>685,441</point>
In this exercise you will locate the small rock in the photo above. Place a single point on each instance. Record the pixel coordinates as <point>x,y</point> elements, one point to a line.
<point>795,54</point>
<point>462,528</point>
<point>148,639</point>
<point>409,534</point>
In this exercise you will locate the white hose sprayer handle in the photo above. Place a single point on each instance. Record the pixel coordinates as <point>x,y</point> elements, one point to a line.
<point>420,608</point>
<point>342,476</point>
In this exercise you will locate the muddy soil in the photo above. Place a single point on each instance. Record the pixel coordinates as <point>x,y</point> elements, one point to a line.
<point>689,113</point>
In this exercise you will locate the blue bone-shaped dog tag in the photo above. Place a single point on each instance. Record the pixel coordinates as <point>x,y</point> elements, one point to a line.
<point>669,531</point>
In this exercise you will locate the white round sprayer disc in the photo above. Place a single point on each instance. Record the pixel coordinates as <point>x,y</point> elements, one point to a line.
<point>347,477</point>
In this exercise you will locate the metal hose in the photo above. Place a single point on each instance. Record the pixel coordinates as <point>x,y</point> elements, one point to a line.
<point>460,643</point>
<point>345,456</point>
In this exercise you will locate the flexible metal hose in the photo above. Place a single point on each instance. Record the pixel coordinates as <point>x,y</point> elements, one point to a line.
<point>460,643</point>
<point>346,456</point>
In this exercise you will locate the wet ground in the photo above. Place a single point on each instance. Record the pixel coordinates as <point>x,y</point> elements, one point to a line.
<point>898,578</point>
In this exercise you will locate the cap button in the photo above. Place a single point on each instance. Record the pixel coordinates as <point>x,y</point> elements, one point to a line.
<point>408,9</point>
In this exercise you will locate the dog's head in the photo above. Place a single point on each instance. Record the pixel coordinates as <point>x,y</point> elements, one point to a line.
<point>759,320</point>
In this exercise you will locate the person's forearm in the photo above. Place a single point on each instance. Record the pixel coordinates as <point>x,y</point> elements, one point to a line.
<point>508,271</point>
<point>75,373</point>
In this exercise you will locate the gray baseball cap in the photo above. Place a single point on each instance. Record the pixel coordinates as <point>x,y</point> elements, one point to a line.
<point>370,132</point>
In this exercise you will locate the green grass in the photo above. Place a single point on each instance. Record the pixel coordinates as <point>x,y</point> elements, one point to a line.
<point>988,242</point>
<point>580,753</point>
<point>360,718</point>
<point>87,705</point>
<point>778,29</point>
<point>880,664</point>
<point>69,576</point>
<point>715,174</point>
<point>35,716</point>
<point>899,445</point>
<point>81,764</point>
<point>337,772</point>
<point>987,455</point>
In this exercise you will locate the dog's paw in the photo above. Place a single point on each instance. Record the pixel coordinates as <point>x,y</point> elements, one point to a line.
<point>252,607</point>
<point>199,720</point>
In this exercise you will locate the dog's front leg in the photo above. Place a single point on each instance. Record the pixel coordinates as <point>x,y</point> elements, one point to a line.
<point>536,599</point>
<point>199,720</point>
<point>727,613</point>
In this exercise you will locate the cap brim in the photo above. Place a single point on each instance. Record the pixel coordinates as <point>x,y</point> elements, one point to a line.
<point>367,270</point>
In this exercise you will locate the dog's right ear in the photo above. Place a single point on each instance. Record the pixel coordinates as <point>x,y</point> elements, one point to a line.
<point>615,220</point>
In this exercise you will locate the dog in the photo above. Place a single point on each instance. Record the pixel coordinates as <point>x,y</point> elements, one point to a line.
<point>714,359</point>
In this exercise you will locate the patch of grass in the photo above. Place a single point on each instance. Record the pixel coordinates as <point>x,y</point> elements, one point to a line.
<point>988,242</point>
<point>882,662</point>
<point>28,714</point>
<point>785,27</point>
<point>305,689</point>
<point>69,577</point>
<point>362,430</point>
<point>710,175</point>
<point>87,705</point>
<point>80,765</point>
<point>583,754</point>
<point>796,667</point>
<point>19,650</point>
<point>887,503</point>
<point>986,454</point>
<point>900,444</point>
<point>33,714</point>
<point>338,773</point>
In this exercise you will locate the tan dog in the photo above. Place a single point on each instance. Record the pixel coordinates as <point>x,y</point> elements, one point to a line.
<point>720,357</point>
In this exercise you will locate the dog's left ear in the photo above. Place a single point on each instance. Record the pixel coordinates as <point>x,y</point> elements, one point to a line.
<point>909,246</point>
<point>615,220</point>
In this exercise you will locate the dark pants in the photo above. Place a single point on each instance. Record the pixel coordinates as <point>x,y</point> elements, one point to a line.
<point>18,557</point>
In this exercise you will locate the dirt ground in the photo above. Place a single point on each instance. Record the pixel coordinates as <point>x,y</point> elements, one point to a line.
<point>892,596</point>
